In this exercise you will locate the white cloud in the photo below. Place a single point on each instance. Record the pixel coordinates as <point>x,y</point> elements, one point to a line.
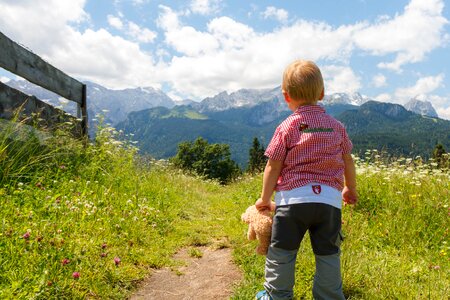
<point>106,59</point>
<point>443,113</point>
<point>384,97</point>
<point>185,39</point>
<point>226,54</point>
<point>279,14</point>
<point>229,33</point>
<point>423,86</point>
<point>340,79</point>
<point>379,80</point>
<point>115,22</point>
<point>17,19</point>
<point>230,55</point>
<point>205,7</point>
<point>143,35</point>
<point>409,36</point>
<point>94,55</point>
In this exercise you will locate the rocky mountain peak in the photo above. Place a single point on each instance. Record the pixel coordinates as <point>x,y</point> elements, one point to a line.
<point>424,108</point>
<point>391,110</point>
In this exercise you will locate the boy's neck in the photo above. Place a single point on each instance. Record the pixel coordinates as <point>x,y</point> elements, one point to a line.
<point>299,104</point>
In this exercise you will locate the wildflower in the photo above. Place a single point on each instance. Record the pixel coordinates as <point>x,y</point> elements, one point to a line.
<point>76,275</point>
<point>103,254</point>
<point>104,246</point>
<point>26,235</point>
<point>49,283</point>
<point>62,167</point>
<point>65,261</point>
<point>117,260</point>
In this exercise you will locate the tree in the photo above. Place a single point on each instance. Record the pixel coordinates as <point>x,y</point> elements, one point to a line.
<point>212,161</point>
<point>257,159</point>
<point>440,156</point>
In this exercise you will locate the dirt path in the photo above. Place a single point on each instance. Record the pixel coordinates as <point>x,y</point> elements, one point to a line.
<point>211,276</point>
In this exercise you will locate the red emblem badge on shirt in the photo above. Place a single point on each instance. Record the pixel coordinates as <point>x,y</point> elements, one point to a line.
<point>303,126</point>
<point>317,189</point>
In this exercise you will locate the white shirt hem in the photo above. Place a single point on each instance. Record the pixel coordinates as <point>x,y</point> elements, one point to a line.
<point>310,193</point>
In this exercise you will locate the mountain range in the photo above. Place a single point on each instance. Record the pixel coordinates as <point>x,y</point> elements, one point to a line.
<point>113,105</point>
<point>160,123</point>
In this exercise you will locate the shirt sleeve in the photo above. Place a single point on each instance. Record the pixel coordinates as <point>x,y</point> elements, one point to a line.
<point>277,149</point>
<point>347,145</point>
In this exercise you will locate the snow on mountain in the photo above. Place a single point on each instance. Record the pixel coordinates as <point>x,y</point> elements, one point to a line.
<point>241,98</point>
<point>344,98</point>
<point>115,105</point>
<point>424,108</point>
<point>252,97</point>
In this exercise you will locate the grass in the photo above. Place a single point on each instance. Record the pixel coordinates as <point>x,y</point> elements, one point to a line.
<point>81,223</point>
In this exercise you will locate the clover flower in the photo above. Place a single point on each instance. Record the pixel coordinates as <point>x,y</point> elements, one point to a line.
<point>117,260</point>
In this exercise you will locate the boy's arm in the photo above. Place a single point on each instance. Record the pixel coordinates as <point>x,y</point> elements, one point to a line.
<point>349,193</point>
<point>271,173</point>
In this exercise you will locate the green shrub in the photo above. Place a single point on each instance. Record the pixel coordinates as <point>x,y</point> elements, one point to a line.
<point>211,161</point>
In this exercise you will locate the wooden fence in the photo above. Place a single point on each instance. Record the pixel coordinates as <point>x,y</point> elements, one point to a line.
<point>20,61</point>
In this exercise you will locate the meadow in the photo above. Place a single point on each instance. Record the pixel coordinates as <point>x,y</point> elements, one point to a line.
<point>91,223</point>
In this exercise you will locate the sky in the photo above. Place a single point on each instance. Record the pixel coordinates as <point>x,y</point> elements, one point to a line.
<point>390,51</point>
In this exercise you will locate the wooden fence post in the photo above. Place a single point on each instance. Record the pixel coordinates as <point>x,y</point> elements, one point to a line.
<point>22,62</point>
<point>84,116</point>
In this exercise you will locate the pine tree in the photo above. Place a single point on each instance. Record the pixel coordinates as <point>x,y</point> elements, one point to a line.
<point>439,155</point>
<point>257,160</point>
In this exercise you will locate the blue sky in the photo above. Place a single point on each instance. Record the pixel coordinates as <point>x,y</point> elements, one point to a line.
<point>388,50</point>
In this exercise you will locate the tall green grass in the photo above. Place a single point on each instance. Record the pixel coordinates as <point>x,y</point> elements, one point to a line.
<point>397,236</point>
<point>79,223</point>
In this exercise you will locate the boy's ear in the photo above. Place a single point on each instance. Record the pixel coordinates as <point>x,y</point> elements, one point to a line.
<point>322,94</point>
<point>286,97</point>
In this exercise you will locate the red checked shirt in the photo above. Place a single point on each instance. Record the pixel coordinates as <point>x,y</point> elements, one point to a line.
<point>311,144</point>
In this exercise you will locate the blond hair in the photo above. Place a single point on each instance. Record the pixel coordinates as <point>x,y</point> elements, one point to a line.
<point>302,80</point>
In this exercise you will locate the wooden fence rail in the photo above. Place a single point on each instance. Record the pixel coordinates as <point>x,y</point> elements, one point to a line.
<point>20,61</point>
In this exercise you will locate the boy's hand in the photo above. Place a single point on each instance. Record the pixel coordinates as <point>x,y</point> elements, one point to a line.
<point>263,205</point>
<point>350,196</point>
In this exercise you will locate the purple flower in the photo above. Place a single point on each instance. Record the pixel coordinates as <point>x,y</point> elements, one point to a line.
<point>65,261</point>
<point>104,245</point>
<point>26,235</point>
<point>116,260</point>
<point>76,275</point>
<point>103,254</point>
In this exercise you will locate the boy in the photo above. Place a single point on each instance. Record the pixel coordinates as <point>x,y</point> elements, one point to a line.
<point>309,158</point>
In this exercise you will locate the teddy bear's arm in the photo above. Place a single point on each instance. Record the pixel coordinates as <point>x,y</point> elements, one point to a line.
<point>251,234</point>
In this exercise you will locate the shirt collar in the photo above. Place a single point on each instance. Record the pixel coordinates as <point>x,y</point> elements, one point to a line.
<point>310,108</point>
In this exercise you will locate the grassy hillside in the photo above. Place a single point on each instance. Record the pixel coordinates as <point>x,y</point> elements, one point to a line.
<point>392,128</point>
<point>89,223</point>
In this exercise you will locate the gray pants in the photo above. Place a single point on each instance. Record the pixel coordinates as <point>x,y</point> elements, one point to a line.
<point>290,225</point>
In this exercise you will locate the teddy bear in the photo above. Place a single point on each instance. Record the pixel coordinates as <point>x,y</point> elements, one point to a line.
<point>259,227</point>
